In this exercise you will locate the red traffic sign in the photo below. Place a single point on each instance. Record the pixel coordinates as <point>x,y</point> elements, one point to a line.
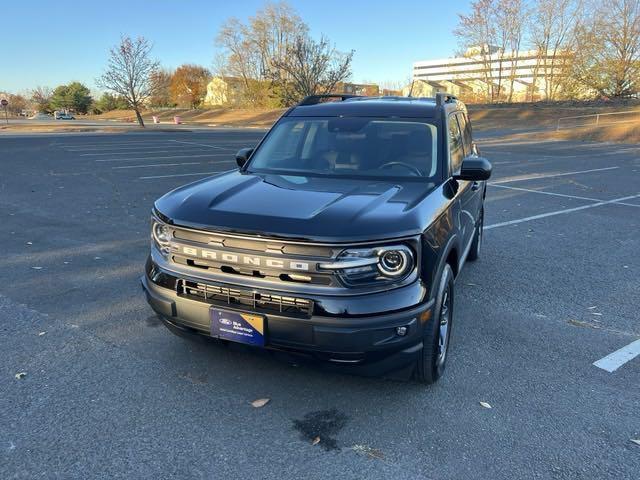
<point>4,102</point>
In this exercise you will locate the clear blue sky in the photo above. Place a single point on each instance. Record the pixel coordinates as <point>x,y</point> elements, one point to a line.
<point>49,43</point>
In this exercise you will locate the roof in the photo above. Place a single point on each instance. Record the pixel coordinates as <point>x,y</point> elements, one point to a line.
<point>410,107</point>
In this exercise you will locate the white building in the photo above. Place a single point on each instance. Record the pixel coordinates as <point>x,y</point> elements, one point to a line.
<point>489,73</point>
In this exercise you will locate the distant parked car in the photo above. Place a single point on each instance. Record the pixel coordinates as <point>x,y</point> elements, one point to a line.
<point>40,116</point>
<point>63,116</point>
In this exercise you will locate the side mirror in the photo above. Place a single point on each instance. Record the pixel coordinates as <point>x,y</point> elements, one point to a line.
<point>243,155</point>
<point>474,169</point>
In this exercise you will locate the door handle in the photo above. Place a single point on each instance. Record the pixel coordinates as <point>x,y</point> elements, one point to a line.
<point>475,186</point>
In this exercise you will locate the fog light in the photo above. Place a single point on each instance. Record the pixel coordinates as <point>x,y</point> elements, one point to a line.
<point>401,331</point>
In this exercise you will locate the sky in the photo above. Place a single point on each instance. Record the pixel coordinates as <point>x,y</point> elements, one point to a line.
<point>50,43</point>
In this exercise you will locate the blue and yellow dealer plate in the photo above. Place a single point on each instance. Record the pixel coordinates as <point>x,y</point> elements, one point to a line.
<point>237,327</point>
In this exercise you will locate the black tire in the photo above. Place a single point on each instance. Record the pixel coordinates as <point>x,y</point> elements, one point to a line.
<point>476,245</point>
<point>433,359</point>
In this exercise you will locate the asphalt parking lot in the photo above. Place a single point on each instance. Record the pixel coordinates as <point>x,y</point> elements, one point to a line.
<point>109,393</point>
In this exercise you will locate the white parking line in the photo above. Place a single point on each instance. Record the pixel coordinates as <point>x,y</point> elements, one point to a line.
<point>615,360</point>
<point>537,176</point>
<point>156,165</point>
<point>156,158</point>
<point>137,147</point>
<point>201,144</point>
<point>153,152</point>
<point>545,193</point>
<point>107,144</point>
<point>177,175</point>
<point>561,195</point>
<point>559,212</point>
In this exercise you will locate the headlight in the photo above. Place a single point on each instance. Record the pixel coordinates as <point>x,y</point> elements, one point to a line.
<point>161,235</point>
<point>395,262</point>
<point>373,265</point>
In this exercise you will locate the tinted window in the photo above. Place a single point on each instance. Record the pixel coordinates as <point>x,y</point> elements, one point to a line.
<point>465,127</point>
<point>349,146</point>
<point>456,152</point>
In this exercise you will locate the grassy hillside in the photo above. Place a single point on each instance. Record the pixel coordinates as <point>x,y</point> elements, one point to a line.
<point>484,117</point>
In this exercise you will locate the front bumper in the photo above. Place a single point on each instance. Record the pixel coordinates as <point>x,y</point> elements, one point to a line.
<point>365,343</point>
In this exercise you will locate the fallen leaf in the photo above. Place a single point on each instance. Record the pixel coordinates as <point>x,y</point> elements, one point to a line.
<point>368,451</point>
<point>315,441</point>
<point>636,441</point>
<point>20,375</point>
<point>485,405</point>
<point>261,402</point>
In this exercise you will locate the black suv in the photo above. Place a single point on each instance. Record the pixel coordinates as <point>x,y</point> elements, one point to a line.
<point>339,236</point>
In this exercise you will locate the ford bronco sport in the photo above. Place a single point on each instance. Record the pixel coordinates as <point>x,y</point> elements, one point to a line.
<point>339,236</point>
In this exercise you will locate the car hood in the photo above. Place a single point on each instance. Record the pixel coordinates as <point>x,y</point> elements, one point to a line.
<point>308,208</point>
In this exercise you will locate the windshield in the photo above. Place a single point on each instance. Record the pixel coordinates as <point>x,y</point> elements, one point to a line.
<point>349,146</point>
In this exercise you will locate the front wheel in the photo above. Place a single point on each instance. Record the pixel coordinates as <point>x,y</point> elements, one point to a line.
<point>431,363</point>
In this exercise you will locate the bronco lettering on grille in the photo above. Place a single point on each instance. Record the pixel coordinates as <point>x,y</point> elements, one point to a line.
<point>239,259</point>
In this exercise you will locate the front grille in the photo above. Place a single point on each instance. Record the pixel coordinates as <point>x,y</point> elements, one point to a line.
<point>245,299</point>
<point>226,256</point>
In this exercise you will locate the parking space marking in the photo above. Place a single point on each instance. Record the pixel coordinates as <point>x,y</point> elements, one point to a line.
<point>615,360</point>
<point>107,144</point>
<point>153,177</point>
<point>156,158</point>
<point>100,149</point>
<point>561,195</point>
<point>156,165</point>
<point>538,176</point>
<point>153,152</point>
<point>546,193</point>
<point>201,145</point>
<point>559,212</point>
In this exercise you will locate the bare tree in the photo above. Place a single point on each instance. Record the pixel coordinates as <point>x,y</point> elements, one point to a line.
<point>129,72</point>
<point>476,35</point>
<point>552,35</point>
<point>511,14</point>
<point>608,60</point>
<point>41,98</point>
<point>309,68</point>
<point>250,49</point>
<point>272,31</point>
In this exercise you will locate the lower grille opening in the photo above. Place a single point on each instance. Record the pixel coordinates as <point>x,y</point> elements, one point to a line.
<point>245,299</point>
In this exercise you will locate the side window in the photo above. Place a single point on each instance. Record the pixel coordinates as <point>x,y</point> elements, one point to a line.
<point>465,127</point>
<point>456,152</point>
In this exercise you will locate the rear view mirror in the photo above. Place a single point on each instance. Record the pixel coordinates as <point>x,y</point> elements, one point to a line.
<point>474,169</point>
<point>243,155</point>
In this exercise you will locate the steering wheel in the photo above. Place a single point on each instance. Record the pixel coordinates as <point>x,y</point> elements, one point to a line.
<point>413,169</point>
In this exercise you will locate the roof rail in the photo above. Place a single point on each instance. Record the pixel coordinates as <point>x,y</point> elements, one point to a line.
<point>315,99</point>
<point>444,97</point>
